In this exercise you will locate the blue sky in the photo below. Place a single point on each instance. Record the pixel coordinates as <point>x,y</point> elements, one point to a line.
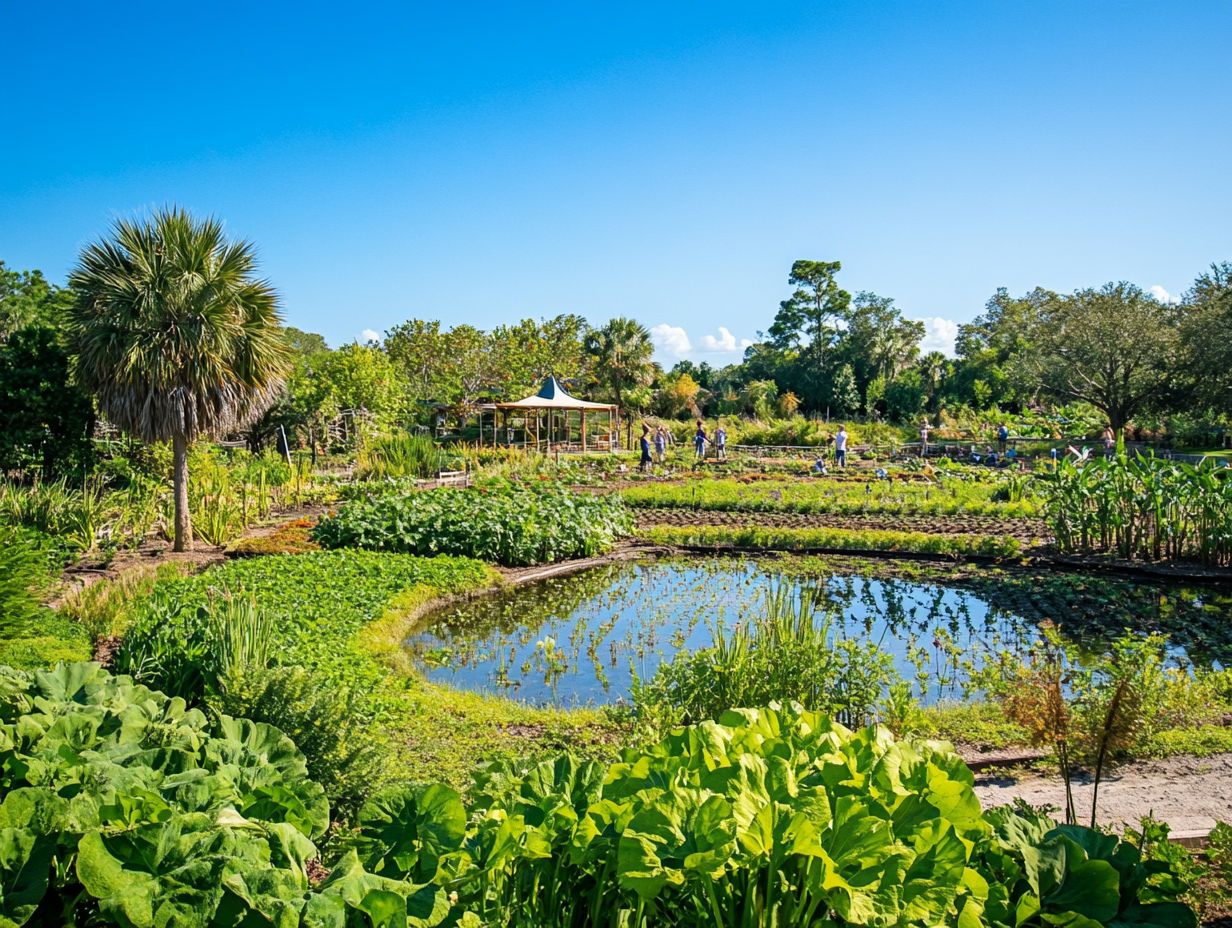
<point>482,163</point>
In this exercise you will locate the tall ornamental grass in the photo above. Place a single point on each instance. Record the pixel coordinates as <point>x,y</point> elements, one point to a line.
<point>1143,508</point>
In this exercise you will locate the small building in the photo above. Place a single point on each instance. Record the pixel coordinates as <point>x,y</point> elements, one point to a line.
<point>552,420</point>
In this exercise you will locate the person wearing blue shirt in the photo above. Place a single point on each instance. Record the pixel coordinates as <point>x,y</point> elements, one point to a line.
<point>1003,437</point>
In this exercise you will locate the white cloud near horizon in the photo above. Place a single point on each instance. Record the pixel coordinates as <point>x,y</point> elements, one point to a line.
<point>939,335</point>
<point>370,335</point>
<point>671,340</point>
<point>726,343</point>
<point>1162,295</point>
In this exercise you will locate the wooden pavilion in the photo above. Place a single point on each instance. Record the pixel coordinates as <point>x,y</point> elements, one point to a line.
<point>547,421</point>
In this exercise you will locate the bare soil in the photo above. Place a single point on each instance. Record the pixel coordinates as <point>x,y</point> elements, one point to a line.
<point>1191,794</point>
<point>1029,531</point>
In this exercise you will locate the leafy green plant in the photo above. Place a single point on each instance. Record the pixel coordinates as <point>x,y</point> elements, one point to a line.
<point>1143,508</point>
<point>771,817</point>
<point>393,456</point>
<point>500,522</point>
<point>333,726</point>
<point>24,573</point>
<point>122,807</point>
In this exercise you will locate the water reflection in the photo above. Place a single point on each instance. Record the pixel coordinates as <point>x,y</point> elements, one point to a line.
<point>581,639</point>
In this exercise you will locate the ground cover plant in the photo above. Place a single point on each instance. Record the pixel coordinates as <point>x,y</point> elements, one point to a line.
<point>1144,508</point>
<point>848,495</point>
<point>500,522</point>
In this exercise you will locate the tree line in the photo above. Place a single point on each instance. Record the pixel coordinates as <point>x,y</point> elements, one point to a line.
<point>826,353</point>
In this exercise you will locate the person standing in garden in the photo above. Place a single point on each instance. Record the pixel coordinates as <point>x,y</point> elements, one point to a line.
<point>660,443</point>
<point>1109,441</point>
<point>924,439</point>
<point>1003,438</point>
<point>645,446</point>
<point>840,446</point>
<point>699,441</point>
<point>720,442</point>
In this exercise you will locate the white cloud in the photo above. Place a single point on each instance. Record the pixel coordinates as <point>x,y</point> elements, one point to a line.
<point>939,335</point>
<point>1163,295</point>
<point>726,342</point>
<point>671,340</point>
<point>370,335</point>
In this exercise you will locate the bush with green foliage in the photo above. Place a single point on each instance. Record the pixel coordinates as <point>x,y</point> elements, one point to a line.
<point>764,818</point>
<point>45,421</point>
<point>503,523</point>
<point>123,807</point>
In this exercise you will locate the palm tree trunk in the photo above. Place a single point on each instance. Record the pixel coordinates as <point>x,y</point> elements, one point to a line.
<point>179,478</point>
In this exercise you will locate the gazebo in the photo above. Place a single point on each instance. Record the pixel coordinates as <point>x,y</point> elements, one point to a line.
<point>558,406</point>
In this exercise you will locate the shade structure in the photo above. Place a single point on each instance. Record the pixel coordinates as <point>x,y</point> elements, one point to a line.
<point>553,398</point>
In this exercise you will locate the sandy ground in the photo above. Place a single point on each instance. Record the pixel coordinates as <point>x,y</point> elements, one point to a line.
<point>1189,793</point>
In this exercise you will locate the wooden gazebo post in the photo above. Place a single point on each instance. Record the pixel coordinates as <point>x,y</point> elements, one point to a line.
<point>583,431</point>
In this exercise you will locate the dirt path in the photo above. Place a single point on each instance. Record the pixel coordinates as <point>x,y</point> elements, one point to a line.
<point>1191,794</point>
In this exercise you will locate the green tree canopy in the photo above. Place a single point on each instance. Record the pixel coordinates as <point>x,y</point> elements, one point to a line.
<point>45,421</point>
<point>620,356</point>
<point>1115,348</point>
<point>27,298</point>
<point>175,335</point>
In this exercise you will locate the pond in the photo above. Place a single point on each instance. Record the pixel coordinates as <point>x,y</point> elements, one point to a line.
<point>579,640</point>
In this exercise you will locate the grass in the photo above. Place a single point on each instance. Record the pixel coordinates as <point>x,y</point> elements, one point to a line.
<point>946,496</point>
<point>836,539</point>
<point>343,615</point>
<point>51,638</point>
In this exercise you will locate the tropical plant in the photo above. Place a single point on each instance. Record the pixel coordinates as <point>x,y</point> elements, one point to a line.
<point>122,807</point>
<point>500,522</point>
<point>1142,507</point>
<point>620,355</point>
<point>776,817</point>
<point>175,336</point>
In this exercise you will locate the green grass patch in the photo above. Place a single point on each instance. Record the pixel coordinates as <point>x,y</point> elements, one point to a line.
<point>833,539</point>
<point>46,641</point>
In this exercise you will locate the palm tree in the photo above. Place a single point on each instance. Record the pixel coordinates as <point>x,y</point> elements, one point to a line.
<point>621,353</point>
<point>175,335</point>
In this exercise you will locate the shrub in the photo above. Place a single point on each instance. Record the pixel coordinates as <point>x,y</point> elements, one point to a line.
<point>103,608</point>
<point>332,726</point>
<point>503,523</point>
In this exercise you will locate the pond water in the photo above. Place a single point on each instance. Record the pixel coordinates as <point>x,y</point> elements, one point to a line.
<point>579,640</point>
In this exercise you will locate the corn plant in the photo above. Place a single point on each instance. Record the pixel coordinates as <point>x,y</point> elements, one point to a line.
<point>1142,508</point>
